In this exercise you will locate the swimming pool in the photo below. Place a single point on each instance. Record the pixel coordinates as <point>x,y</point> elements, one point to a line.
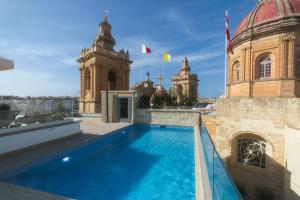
<point>139,162</point>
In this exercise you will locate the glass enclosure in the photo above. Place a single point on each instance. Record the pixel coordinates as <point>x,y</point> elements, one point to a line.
<point>221,184</point>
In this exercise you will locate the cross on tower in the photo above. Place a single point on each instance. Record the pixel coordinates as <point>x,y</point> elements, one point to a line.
<point>106,12</point>
<point>160,78</point>
<point>148,75</point>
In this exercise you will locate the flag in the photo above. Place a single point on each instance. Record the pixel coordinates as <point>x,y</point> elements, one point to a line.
<point>229,43</point>
<point>145,50</point>
<point>167,57</point>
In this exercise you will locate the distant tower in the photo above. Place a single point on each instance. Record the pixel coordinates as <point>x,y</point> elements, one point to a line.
<point>101,68</point>
<point>185,83</point>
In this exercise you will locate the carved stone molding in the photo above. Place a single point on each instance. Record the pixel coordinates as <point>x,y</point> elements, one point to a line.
<point>289,37</point>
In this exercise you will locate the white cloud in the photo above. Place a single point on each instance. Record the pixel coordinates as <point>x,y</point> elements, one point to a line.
<point>25,83</point>
<point>39,69</point>
<point>154,59</point>
<point>34,51</point>
<point>199,56</point>
<point>134,45</point>
<point>70,61</point>
<point>186,25</point>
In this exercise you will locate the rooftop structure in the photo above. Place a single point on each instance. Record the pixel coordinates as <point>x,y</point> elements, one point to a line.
<point>102,68</point>
<point>266,46</point>
<point>6,64</point>
<point>185,83</point>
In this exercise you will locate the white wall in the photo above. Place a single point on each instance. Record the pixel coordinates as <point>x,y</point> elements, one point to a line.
<point>21,137</point>
<point>292,177</point>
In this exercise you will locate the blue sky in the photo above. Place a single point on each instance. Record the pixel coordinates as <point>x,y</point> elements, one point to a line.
<point>44,39</point>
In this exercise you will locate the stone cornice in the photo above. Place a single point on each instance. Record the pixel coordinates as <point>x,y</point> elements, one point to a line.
<point>86,54</point>
<point>184,79</point>
<point>289,37</point>
<point>268,28</point>
<point>264,80</point>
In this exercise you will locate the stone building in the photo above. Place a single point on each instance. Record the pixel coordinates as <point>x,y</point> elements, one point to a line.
<point>102,68</point>
<point>266,59</point>
<point>185,82</point>
<point>145,87</point>
<point>257,131</point>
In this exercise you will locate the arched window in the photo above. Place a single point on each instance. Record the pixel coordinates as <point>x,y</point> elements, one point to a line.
<point>265,67</point>
<point>237,71</point>
<point>112,80</point>
<point>298,66</point>
<point>192,92</point>
<point>179,89</point>
<point>87,79</point>
<point>252,152</point>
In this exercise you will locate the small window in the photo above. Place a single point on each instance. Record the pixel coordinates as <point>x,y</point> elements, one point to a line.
<point>265,68</point>
<point>298,66</point>
<point>252,152</point>
<point>87,79</point>
<point>237,68</point>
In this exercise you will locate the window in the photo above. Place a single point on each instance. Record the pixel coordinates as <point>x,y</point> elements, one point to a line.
<point>252,152</point>
<point>112,80</point>
<point>298,66</point>
<point>265,67</point>
<point>87,79</point>
<point>192,92</point>
<point>237,68</point>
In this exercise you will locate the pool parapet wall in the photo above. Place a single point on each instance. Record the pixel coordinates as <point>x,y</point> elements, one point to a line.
<point>178,117</point>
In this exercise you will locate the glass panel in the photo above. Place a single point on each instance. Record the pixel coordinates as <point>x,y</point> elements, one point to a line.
<point>262,71</point>
<point>268,69</point>
<point>265,67</point>
<point>222,186</point>
<point>237,71</point>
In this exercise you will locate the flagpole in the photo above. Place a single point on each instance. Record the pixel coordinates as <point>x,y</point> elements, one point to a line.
<point>225,59</point>
<point>163,72</point>
<point>142,68</point>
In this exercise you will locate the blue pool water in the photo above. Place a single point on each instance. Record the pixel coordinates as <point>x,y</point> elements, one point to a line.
<point>141,162</point>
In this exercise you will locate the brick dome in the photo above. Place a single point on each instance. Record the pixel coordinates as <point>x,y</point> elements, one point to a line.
<point>269,11</point>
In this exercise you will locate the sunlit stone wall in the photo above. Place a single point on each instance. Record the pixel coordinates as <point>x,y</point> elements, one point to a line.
<point>277,122</point>
<point>167,117</point>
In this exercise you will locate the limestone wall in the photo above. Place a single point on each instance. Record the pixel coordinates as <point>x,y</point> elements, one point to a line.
<point>271,119</point>
<point>283,82</point>
<point>210,123</point>
<point>167,116</point>
<point>292,177</point>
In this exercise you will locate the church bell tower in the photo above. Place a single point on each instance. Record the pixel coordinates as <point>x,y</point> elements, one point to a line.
<point>102,68</point>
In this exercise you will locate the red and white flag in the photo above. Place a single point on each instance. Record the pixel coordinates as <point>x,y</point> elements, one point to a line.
<point>229,43</point>
<point>145,50</point>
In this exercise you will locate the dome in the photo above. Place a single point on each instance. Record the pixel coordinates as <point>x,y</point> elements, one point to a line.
<point>104,38</point>
<point>269,11</point>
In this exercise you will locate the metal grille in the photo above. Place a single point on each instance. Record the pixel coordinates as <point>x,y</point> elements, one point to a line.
<point>252,152</point>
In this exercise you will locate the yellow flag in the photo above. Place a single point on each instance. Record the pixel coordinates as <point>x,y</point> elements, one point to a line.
<point>167,57</point>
